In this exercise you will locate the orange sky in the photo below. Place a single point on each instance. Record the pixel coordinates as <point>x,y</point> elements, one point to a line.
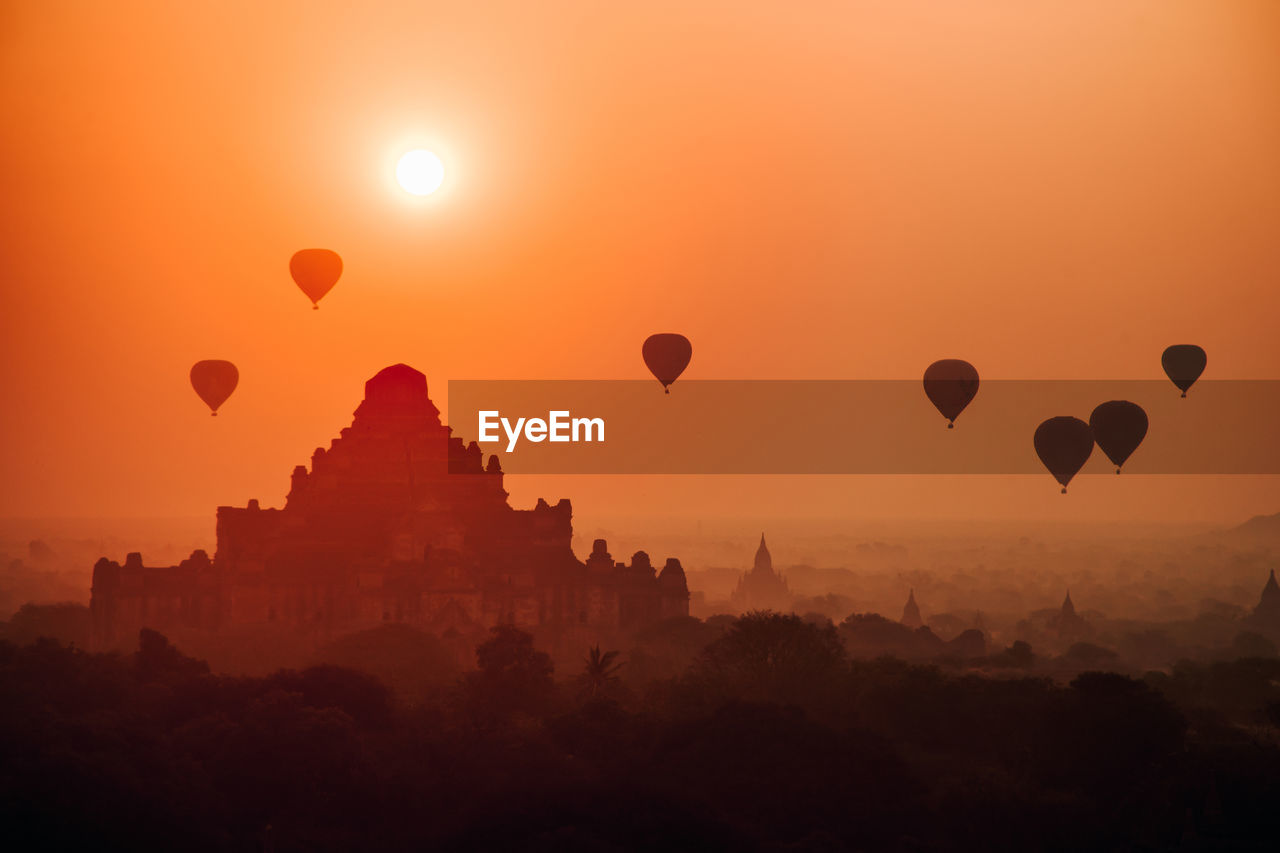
<point>1056,189</point>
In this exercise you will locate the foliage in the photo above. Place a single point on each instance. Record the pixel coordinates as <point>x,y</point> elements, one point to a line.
<point>600,672</point>
<point>771,739</point>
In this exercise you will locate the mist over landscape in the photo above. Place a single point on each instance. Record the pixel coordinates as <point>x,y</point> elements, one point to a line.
<point>579,427</point>
<point>1153,593</point>
<point>1148,713</point>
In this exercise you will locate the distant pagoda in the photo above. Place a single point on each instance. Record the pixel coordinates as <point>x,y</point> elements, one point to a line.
<point>1266,615</point>
<point>1068,624</point>
<point>911,612</point>
<point>762,588</point>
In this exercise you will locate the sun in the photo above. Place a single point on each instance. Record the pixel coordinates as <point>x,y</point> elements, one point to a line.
<point>420,172</point>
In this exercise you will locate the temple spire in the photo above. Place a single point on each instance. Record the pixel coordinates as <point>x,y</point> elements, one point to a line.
<point>764,560</point>
<point>911,612</point>
<point>1269,603</point>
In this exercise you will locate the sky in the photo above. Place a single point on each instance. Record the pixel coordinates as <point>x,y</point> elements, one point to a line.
<point>815,191</point>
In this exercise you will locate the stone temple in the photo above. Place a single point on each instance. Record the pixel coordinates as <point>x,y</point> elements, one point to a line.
<point>398,521</point>
<point>762,588</point>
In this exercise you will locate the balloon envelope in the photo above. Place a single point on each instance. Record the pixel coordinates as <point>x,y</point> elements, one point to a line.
<point>1183,363</point>
<point>1118,427</point>
<point>315,271</point>
<point>950,384</point>
<point>667,355</point>
<point>214,380</point>
<point>1063,445</point>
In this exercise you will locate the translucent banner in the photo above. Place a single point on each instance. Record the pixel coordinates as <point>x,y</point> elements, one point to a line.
<point>852,427</point>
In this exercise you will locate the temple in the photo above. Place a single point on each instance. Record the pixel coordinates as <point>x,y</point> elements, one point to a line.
<point>1266,616</point>
<point>911,612</point>
<point>762,588</point>
<point>1068,624</point>
<point>397,521</point>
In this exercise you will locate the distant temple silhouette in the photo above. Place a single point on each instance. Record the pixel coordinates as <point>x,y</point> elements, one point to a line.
<point>398,521</point>
<point>911,612</point>
<point>762,588</point>
<point>1068,624</point>
<point>1266,616</point>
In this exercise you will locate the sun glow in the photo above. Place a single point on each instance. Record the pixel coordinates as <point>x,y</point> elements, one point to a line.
<point>420,172</point>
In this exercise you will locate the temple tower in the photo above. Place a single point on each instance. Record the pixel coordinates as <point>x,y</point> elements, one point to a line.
<point>911,612</point>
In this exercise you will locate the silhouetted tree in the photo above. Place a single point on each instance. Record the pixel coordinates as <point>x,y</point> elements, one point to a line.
<point>1089,655</point>
<point>768,656</point>
<point>157,658</point>
<point>666,649</point>
<point>968,644</point>
<point>1110,732</point>
<point>412,663</point>
<point>1239,690</point>
<point>1018,655</point>
<point>358,694</point>
<point>872,635</point>
<point>513,675</point>
<point>783,775</point>
<point>151,752</point>
<point>599,671</point>
<point>1250,644</point>
<point>66,622</point>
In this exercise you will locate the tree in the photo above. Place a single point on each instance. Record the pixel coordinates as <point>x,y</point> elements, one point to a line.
<point>1250,644</point>
<point>1021,655</point>
<point>357,694</point>
<point>872,635</point>
<point>66,622</point>
<point>1109,733</point>
<point>158,659</point>
<point>413,663</point>
<point>513,676</point>
<point>600,671</point>
<point>666,649</point>
<point>1090,655</point>
<point>772,657</point>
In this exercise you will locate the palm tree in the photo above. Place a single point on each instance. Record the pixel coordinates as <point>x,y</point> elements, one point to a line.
<point>600,671</point>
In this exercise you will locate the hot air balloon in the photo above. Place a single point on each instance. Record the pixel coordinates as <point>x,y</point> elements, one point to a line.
<point>950,384</point>
<point>667,355</point>
<point>1118,427</point>
<point>1063,445</point>
<point>214,380</point>
<point>316,271</point>
<point>1184,363</point>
